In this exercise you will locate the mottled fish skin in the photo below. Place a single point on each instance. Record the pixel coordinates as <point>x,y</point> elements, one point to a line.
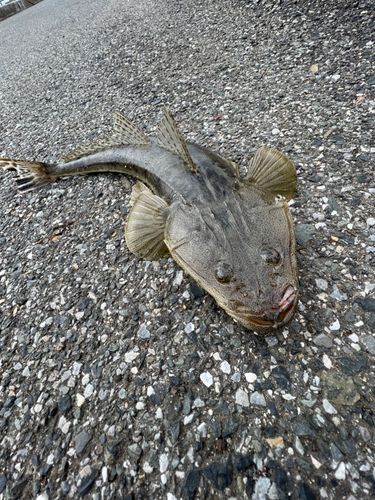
<point>233,235</point>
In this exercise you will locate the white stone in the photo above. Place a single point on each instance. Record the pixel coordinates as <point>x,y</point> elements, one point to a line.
<point>170,496</point>
<point>80,400</point>
<point>147,468</point>
<point>261,488</point>
<point>251,377</point>
<point>131,356</point>
<point>206,378</point>
<point>159,413</point>
<point>143,332</point>
<point>242,398</point>
<point>335,325</point>
<point>76,368</point>
<point>38,408</point>
<point>26,372</point>
<point>189,328</point>
<point>328,408</point>
<point>322,284</point>
<point>188,419</point>
<point>105,474</point>
<point>225,367</point>
<point>198,403</point>
<point>370,221</point>
<point>85,379</point>
<point>88,390</point>
<point>327,362</point>
<point>43,496</point>
<point>150,390</point>
<point>315,462</point>
<point>202,429</point>
<point>178,278</point>
<point>140,405</point>
<point>341,471</point>
<point>299,446</point>
<point>163,463</point>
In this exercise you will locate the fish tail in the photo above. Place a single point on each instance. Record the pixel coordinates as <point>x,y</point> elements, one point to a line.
<point>29,175</point>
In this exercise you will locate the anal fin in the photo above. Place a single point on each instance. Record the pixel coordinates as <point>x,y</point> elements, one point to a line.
<point>170,138</point>
<point>144,230</point>
<point>273,171</point>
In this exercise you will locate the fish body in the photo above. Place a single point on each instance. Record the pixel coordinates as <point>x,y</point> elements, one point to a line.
<point>234,235</point>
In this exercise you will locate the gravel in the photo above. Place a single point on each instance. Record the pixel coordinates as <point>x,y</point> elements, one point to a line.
<point>121,378</point>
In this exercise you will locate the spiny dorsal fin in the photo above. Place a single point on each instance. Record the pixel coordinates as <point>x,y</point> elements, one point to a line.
<point>124,133</point>
<point>273,171</point>
<point>170,138</point>
<point>144,230</point>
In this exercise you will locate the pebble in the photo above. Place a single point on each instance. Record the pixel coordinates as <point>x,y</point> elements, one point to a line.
<point>242,398</point>
<point>225,367</point>
<point>207,379</point>
<point>369,343</point>
<point>163,462</point>
<point>328,408</point>
<point>337,295</point>
<point>257,398</point>
<point>323,340</point>
<point>340,472</point>
<point>339,390</point>
<point>143,332</point>
<point>81,440</point>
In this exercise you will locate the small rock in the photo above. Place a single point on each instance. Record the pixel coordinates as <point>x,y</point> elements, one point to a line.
<point>225,367</point>
<point>337,295</point>
<point>335,326</point>
<point>206,378</point>
<point>328,408</point>
<point>81,441</point>
<point>304,233</point>
<point>340,472</point>
<point>135,451</point>
<point>339,390</point>
<point>365,434</point>
<point>353,365</point>
<point>323,340</point>
<point>143,332</point>
<point>191,484</point>
<point>367,305</point>
<point>242,398</point>
<point>261,488</point>
<point>369,344</point>
<point>257,399</point>
<point>163,463</point>
<point>87,483</point>
<point>64,403</point>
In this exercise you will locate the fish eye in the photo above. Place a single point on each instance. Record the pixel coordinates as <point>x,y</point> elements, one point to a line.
<point>270,255</point>
<point>224,272</point>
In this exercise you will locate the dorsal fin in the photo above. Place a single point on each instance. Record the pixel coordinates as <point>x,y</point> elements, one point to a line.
<point>170,138</point>
<point>124,133</point>
<point>273,171</point>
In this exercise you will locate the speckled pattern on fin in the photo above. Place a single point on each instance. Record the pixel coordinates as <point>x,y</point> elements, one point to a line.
<point>273,171</point>
<point>170,138</point>
<point>124,133</point>
<point>144,230</point>
<point>30,175</point>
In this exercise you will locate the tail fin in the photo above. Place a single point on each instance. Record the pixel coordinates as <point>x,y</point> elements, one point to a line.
<point>30,175</point>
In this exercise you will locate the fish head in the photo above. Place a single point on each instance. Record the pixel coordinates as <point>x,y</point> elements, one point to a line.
<point>242,255</point>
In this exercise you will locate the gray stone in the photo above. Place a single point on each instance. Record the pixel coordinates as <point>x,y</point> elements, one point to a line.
<point>257,399</point>
<point>81,441</point>
<point>339,390</point>
<point>261,488</point>
<point>304,233</point>
<point>143,332</point>
<point>135,451</point>
<point>369,344</point>
<point>323,340</point>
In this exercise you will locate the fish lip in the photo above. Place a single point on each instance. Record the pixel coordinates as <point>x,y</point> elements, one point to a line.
<point>273,318</point>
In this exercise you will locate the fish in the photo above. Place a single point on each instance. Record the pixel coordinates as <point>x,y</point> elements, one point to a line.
<point>233,234</point>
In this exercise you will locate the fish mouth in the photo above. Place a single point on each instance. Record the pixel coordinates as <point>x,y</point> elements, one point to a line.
<point>273,318</point>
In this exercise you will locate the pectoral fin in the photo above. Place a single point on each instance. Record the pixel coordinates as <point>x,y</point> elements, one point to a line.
<point>273,171</point>
<point>144,230</point>
<point>170,138</point>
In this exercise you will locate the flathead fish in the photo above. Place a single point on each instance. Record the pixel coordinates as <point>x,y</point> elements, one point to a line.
<point>234,235</point>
